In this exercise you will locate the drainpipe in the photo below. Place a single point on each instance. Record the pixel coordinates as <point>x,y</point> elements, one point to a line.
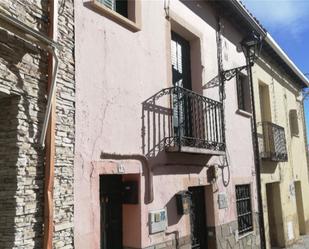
<point>145,165</point>
<point>256,159</point>
<point>31,35</point>
<point>50,97</point>
<point>27,32</point>
<point>49,131</point>
<point>305,132</point>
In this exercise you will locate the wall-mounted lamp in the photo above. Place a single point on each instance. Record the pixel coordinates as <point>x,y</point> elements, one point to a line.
<point>252,45</point>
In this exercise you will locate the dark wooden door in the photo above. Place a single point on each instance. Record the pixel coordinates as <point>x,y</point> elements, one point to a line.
<point>111,211</point>
<point>181,73</point>
<point>198,218</point>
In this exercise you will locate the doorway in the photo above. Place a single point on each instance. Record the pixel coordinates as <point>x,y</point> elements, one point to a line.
<point>300,208</point>
<point>198,218</point>
<point>111,211</point>
<point>275,220</point>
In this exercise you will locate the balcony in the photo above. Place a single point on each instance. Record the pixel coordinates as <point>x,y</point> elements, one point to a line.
<point>178,120</point>
<point>272,144</point>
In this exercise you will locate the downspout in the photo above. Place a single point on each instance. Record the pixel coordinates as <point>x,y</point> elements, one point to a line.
<point>305,133</point>
<point>49,131</point>
<point>257,160</point>
<point>30,34</point>
<point>145,165</point>
<point>51,95</point>
<point>27,33</point>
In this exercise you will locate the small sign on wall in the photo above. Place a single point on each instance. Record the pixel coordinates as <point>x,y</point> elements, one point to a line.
<point>157,221</point>
<point>290,230</point>
<point>222,200</point>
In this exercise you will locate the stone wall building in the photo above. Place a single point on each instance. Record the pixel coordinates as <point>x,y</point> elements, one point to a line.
<point>23,97</point>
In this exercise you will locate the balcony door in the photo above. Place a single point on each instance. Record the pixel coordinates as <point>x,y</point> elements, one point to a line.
<point>181,71</point>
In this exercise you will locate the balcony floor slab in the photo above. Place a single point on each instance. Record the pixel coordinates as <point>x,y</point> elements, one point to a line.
<point>194,150</point>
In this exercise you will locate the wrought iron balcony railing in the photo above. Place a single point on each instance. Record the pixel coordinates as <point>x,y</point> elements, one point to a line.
<point>272,143</point>
<point>177,119</point>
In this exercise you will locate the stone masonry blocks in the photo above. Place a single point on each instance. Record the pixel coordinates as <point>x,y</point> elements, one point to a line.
<point>23,78</point>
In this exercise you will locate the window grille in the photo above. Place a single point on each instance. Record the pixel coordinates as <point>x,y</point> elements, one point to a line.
<point>244,209</point>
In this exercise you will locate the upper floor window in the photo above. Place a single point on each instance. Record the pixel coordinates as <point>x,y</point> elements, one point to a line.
<point>243,92</point>
<point>120,6</point>
<point>124,12</point>
<point>294,122</point>
<point>265,103</point>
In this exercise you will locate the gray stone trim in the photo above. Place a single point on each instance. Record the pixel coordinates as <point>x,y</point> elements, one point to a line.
<point>226,236</point>
<point>183,243</point>
<point>219,237</point>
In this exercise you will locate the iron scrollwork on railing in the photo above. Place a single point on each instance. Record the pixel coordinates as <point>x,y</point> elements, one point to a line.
<point>176,117</point>
<point>272,142</point>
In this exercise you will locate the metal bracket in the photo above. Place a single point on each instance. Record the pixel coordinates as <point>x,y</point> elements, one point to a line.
<point>231,73</point>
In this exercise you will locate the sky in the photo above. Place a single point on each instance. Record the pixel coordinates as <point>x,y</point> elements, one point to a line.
<point>288,23</point>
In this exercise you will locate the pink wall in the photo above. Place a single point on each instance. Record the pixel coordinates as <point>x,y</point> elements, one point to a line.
<point>116,70</point>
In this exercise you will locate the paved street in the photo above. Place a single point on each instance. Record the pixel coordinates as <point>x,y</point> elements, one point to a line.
<point>302,244</point>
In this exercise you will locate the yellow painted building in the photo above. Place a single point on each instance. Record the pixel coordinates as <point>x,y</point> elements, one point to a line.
<point>281,135</point>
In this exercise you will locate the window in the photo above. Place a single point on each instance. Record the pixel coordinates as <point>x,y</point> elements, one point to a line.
<point>265,106</point>
<point>294,122</point>
<point>124,12</point>
<point>244,209</point>
<point>243,92</point>
<point>120,6</point>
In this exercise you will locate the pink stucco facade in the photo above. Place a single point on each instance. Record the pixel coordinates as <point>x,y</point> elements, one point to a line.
<point>116,70</point>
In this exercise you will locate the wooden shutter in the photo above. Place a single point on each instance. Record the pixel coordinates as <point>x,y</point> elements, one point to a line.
<point>240,91</point>
<point>176,63</point>
<point>294,122</point>
<point>111,4</point>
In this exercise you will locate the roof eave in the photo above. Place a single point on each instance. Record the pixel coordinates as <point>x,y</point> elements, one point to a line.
<point>269,40</point>
<point>247,16</point>
<point>274,45</point>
